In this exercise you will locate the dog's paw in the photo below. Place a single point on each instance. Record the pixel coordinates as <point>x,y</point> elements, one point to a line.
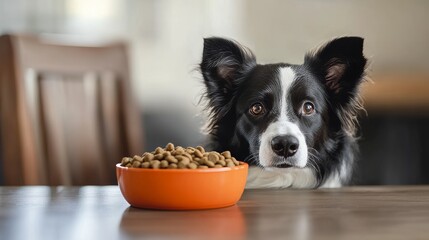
<point>280,178</point>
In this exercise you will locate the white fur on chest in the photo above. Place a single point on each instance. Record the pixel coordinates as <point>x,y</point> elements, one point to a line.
<point>280,178</point>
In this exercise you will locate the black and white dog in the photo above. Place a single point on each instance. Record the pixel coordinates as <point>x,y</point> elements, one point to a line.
<point>293,124</point>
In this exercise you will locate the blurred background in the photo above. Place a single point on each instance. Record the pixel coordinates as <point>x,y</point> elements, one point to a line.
<point>163,40</point>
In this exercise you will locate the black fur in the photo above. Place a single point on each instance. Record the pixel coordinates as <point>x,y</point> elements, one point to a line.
<point>329,77</point>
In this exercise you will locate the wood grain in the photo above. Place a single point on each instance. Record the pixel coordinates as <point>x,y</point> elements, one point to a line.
<point>101,213</point>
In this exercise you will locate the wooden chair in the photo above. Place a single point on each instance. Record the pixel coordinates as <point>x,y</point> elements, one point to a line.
<point>66,112</point>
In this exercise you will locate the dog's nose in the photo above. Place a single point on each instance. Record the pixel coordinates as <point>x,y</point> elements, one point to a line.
<point>285,145</point>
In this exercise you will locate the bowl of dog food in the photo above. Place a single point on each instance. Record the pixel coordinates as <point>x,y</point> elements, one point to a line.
<point>178,178</point>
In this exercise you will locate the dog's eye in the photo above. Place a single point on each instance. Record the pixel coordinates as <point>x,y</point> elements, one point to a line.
<point>308,108</point>
<point>257,109</point>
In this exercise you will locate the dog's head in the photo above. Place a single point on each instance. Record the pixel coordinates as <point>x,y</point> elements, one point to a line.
<point>281,115</point>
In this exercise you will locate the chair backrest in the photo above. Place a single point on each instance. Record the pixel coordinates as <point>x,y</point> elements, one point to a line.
<point>67,115</point>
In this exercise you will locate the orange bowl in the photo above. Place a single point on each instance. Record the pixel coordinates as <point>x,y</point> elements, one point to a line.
<point>182,189</point>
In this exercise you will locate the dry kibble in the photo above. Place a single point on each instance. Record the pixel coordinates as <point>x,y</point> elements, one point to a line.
<point>148,157</point>
<point>187,155</point>
<point>169,147</point>
<point>196,163</point>
<point>181,165</point>
<point>230,164</point>
<point>172,166</point>
<point>125,161</point>
<point>137,158</point>
<point>166,154</point>
<point>209,163</point>
<point>222,163</point>
<point>136,164</point>
<point>213,157</point>
<point>226,154</point>
<point>179,151</point>
<point>177,157</point>
<point>171,159</point>
<point>201,149</point>
<point>190,150</point>
<point>155,164</point>
<point>235,161</point>
<point>159,150</point>
<point>198,153</point>
<point>145,165</point>
<point>192,166</point>
<point>164,164</point>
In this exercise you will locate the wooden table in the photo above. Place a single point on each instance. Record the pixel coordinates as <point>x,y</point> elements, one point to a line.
<point>102,213</point>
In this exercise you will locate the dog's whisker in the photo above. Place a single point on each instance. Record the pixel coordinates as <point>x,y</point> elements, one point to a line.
<point>312,161</point>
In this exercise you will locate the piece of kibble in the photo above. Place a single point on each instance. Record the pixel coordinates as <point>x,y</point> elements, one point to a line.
<point>209,163</point>
<point>164,164</point>
<point>222,163</point>
<point>190,150</point>
<point>125,161</point>
<point>166,154</point>
<point>171,159</point>
<point>189,156</point>
<point>181,165</point>
<point>186,161</point>
<point>230,164</point>
<point>178,152</point>
<point>198,153</point>
<point>172,166</point>
<point>177,157</point>
<point>226,154</point>
<point>145,165</point>
<point>213,157</point>
<point>155,164</point>
<point>192,166</point>
<point>137,158</point>
<point>148,157</point>
<point>159,150</point>
<point>201,149</point>
<point>135,164</point>
<point>169,147</point>
<point>159,156</point>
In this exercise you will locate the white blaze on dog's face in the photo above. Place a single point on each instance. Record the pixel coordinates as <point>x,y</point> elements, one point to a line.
<point>283,131</point>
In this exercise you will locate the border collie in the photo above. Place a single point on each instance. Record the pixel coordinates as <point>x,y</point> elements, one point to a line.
<point>293,124</point>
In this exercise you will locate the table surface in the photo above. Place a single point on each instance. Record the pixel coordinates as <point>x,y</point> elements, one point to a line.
<point>93,212</point>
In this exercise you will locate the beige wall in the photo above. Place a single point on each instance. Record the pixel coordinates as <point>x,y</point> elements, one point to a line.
<point>396,32</point>
<point>165,59</point>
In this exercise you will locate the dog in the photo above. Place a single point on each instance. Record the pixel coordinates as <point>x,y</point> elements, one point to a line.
<point>295,125</point>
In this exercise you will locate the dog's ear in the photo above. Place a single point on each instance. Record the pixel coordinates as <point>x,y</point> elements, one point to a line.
<point>223,65</point>
<point>340,65</point>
